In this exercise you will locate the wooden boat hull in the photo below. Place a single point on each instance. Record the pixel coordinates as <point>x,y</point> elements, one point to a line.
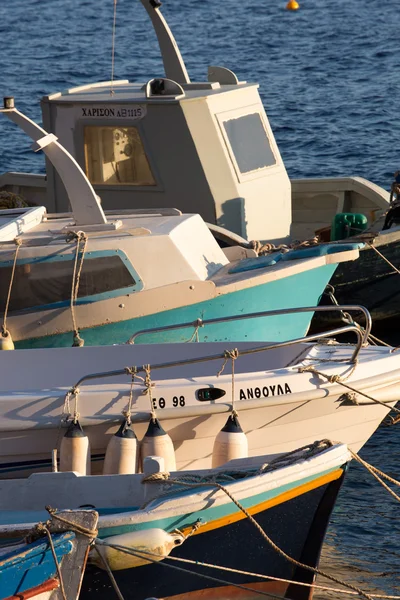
<point>29,571</point>
<point>279,409</point>
<point>101,324</point>
<point>370,282</point>
<point>296,525</point>
<point>291,497</point>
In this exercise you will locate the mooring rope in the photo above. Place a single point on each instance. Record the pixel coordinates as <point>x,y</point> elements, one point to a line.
<point>377,473</point>
<point>81,239</point>
<point>140,554</point>
<point>110,573</point>
<point>4,331</point>
<point>383,257</point>
<point>339,380</point>
<point>149,384</point>
<point>145,554</point>
<point>281,552</point>
<point>233,355</point>
<point>60,577</point>
<point>127,413</point>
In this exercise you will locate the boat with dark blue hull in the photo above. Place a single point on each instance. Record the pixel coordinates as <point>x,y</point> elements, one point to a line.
<point>261,519</point>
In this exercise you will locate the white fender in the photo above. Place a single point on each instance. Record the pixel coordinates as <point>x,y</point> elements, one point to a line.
<point>231,442</point>
<point>157,442</point>
<point>122,452</point>
<point>155,541</point>
<point>75,450</point>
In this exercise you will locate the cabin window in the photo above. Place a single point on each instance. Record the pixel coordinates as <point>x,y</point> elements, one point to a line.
<point>116,156</point>
<point>249,142</point>
<point>49,281</point>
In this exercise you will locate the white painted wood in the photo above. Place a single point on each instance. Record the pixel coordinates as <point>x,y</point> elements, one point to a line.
<point>279,407</point>
<point>69,490</point>
<point>13,223</point>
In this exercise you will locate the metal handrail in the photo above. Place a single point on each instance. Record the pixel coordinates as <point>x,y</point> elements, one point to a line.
<point>190,361</point>
<point>265,313</point>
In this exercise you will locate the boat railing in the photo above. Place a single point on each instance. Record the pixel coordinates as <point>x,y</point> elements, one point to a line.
<point>265,313</point>
<point>351,328</point>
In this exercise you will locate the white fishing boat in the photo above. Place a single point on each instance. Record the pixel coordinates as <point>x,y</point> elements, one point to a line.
<point>285,395</point>
<point>148,520</point>
<point>207,147</point>
<point>95,278</point>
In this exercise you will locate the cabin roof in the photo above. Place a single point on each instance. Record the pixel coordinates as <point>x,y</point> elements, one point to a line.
<point>135,222</point>
<point>125,91</point>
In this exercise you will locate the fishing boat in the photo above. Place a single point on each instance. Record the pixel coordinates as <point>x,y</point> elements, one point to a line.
<point>207,147</point>
<point>95,278</point>
<point>150,523</point>
<point>284,395</point>
<point>49,563</point>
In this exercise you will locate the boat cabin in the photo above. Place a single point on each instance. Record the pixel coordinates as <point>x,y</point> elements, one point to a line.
<point>203,147</point>
<point>146,250</point>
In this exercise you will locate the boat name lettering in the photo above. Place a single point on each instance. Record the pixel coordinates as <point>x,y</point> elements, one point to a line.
<point>265,391</point>
<point>117,112</point>
<point>174,403</point>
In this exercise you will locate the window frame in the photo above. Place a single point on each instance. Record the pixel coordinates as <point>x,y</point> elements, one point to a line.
<point>118,124</point>
<point>65,256</point>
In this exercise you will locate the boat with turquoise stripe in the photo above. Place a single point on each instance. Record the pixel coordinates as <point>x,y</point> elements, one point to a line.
<point>149,523</point>
<point>93,277</point>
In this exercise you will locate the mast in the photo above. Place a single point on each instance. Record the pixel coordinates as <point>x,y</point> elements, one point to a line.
<point>174,66</point>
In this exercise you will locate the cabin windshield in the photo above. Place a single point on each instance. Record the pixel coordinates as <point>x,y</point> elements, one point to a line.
<point>49,282</point>
<point>249,142</point>
<point>116,156</point>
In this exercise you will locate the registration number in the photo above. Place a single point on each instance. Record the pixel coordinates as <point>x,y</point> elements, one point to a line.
<point>174,403</point>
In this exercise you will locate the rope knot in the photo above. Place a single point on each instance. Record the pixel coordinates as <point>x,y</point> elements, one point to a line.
<point>78,342</point>
<point>156,477</point>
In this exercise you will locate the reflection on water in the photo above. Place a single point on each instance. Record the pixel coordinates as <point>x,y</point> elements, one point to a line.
<point>362,546</point>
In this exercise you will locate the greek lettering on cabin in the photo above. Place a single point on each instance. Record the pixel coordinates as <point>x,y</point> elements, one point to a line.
<point>123,113</point>
<point>265,391</point>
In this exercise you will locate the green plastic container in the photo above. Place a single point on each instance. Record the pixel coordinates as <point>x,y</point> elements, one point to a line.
<point>345,225</point>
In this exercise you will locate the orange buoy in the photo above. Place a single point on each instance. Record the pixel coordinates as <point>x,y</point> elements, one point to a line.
<point>292,5</point>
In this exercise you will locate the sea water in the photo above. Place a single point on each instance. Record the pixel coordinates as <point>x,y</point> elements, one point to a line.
<point>330,81</point>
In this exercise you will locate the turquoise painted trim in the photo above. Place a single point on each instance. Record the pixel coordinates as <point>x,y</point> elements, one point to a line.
<point>260,262</point>
<point>169,524</point>
<point>33,565</point>
<point>70,256</point>
<point>212,513</point>
<point>302,289</point>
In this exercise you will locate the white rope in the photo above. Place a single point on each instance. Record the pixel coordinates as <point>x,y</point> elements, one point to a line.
<point>80,237</point>
<point>4,331</point>
<point>340,381</point>
<point>149,384</point>
<point>383,257</point>
<point>241,572</point>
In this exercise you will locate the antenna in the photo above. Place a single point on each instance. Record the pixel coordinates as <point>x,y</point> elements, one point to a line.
<point>174,66</point>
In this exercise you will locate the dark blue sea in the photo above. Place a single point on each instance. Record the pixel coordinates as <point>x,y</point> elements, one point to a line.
<point>330,80</point>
